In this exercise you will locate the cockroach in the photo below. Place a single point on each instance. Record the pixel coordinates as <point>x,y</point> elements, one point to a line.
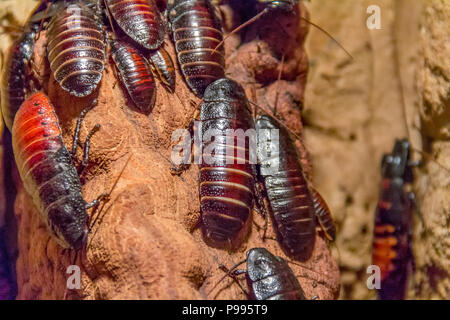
<point>323,215</point>
<point>392,234</point>
<point>17,68</point>
<point>226,187</point>
<point>291,204</point>
<point>135,73</point>
<point>46,169</point>
<point>268,277</point>
<point>163,66</point>
<point>196,31</point>
<point>14,76</point>
<point>140,20</point>
<point>76,47</point>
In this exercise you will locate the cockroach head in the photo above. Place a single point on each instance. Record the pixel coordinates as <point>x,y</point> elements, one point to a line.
<point>397,163</point>
<point>224,89</point>
<point>260,263</point>
<point>284,5</point>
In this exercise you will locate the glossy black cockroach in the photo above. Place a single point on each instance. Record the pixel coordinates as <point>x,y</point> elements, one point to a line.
<point>268,277</point>
<point>196,31</point>
<point>140,20</point>
<point>163,66</point>
<point>292,205</point>
<point>46,169</point>
<point>226,187</point>
<point>76,46</point>
<point>135,73</point>
<point>392,233</point>
<point>17,68</point>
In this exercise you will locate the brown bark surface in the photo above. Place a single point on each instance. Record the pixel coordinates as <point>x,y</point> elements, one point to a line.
<point>146,245</point>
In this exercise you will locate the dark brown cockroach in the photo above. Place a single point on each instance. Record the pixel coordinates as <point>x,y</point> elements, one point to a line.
<point>392,233</point>
<point>17,69</point>
<point>140,20</point>
<point>268,277</point>
<point>6,285</point>
<point>293,204</point>
<point>163,66</point>
<point>15,72</point>
<point>227,184</point>
<point>48,175</point>
<point>135,73</point>
<point>76,47</point>
<point>196,31</point>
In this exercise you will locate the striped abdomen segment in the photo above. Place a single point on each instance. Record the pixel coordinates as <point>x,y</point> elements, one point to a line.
<point>226,192</point>
<point>323,215</point>
<point>292,211</point>
<point>135,74</point>
<point>76,48</point>
<point>226,179</point>
<point>14,76</point>
<point>163,66</point>
<point>384,251</point>
<point>47,172</point>
<point>197,31</point>
<point>140,20</point>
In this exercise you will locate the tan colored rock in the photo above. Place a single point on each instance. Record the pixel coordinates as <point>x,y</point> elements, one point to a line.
<point>146,245</point>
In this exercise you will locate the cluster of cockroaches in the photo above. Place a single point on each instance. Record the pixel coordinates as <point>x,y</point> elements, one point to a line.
<point>77,36</point>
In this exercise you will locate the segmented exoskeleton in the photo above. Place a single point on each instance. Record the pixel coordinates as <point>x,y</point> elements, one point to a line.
<point>196,31</point>
<point>392,233</point>
<point>140,20</point>
<point>163,66</point>
<point>135,73</point>
<point>226,184</point>
<point>290,202</point>
<point>76,46</point>
<point>269,277</point>
<point>48,175</point>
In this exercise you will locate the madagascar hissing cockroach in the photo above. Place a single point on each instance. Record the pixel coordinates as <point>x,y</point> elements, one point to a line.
<point>140,20</point>
<point>286,188</point>
<point>323,215</point>
<point>196,31</point>
<point>392,233</point>
<point>227,184</point>
<point>17,68</point>
<point>268,277</point>
<point>135,74</point>
<point>15,72</point>
<point>162,65</point>
<point>76,47</point>
<point>48,175</point>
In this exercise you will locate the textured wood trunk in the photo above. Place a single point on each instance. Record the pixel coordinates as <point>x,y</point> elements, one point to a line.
<point>147,246</point>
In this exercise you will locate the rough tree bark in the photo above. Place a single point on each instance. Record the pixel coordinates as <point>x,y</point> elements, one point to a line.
<point>147,246</point>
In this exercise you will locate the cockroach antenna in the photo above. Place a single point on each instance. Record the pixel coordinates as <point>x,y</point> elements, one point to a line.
<point>265,11</point>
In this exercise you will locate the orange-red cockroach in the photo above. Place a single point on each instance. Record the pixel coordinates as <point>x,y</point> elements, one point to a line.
<point>135,73</point>
<point>196,31</point>
<point>392,234</point>
<point>140,20</point>
<point>76,47</point>
<point>48,175</point>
